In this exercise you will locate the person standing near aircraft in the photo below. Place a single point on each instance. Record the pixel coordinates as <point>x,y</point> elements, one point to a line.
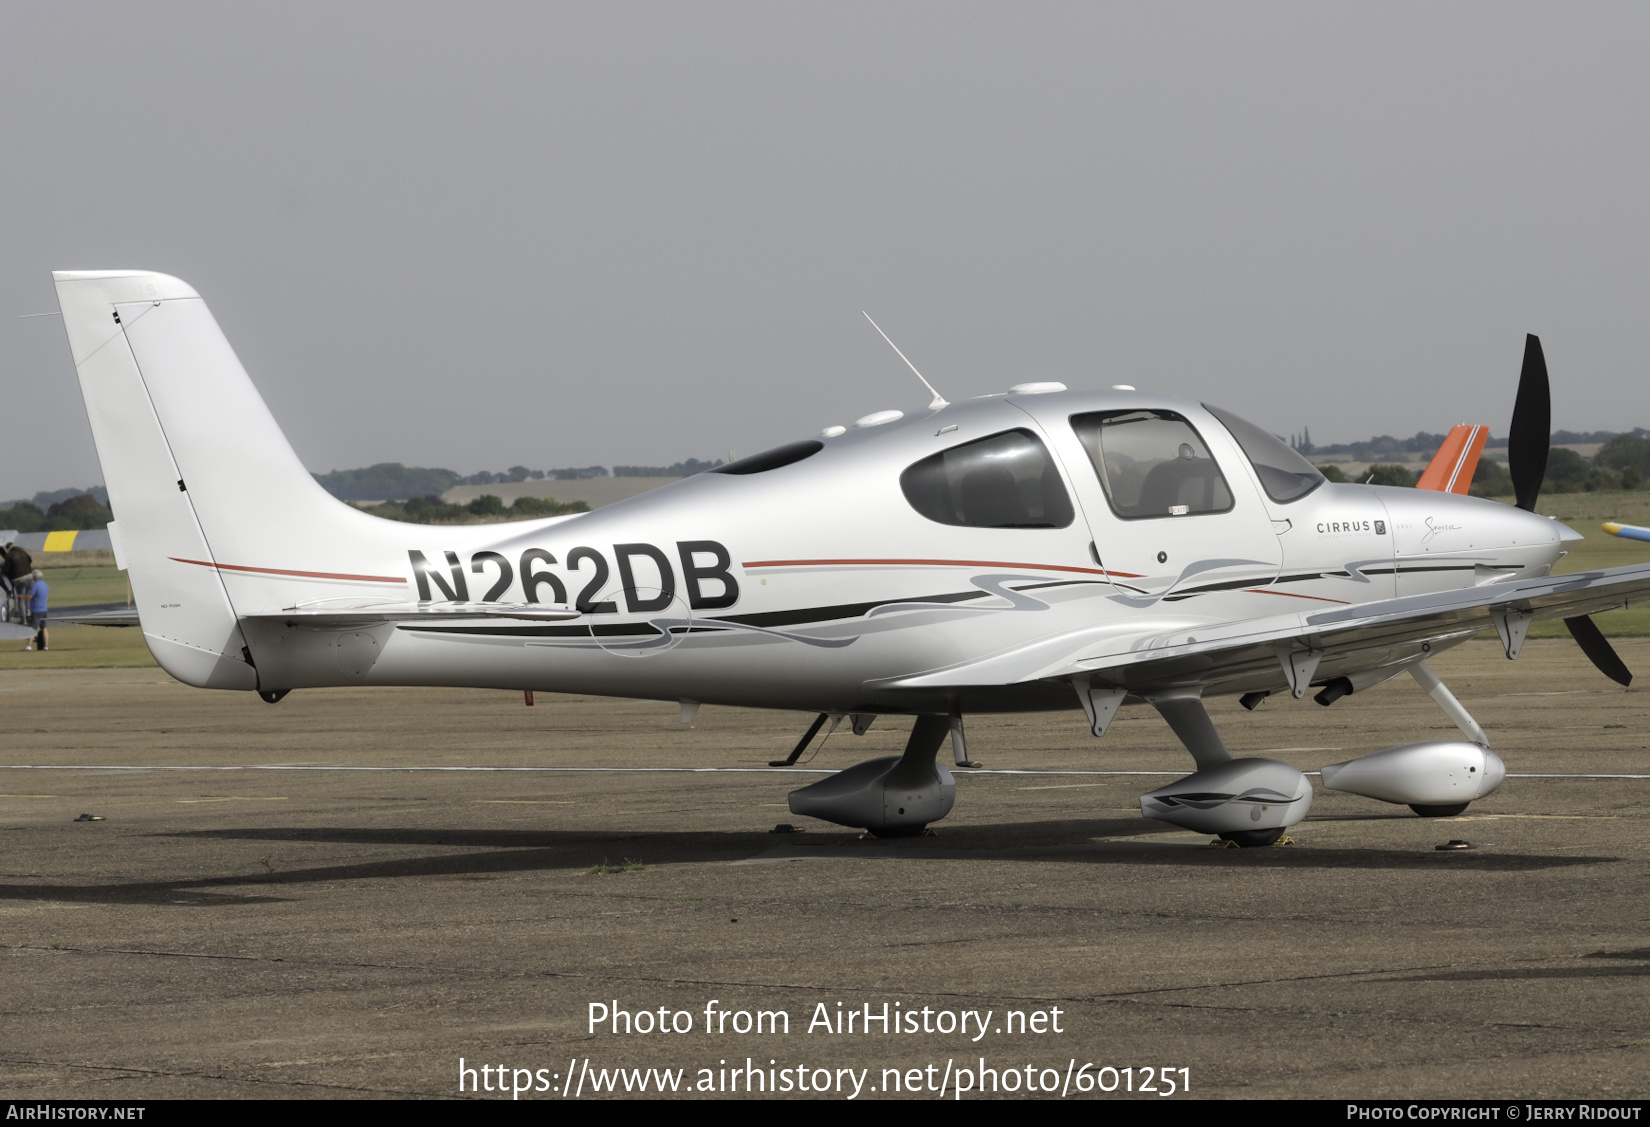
<point>37,611</point>
<point>15,565</point>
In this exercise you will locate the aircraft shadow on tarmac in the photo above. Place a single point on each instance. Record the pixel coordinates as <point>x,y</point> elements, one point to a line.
<point>515,851</point>
<point>1581,968</point>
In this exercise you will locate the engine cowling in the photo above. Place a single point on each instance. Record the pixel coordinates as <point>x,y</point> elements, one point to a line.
<point>1234,797</point>
<point>879,796</point>
<point>1433,773</point>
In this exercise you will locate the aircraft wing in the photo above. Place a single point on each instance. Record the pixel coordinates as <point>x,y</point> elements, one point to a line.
<point>1195,654</point>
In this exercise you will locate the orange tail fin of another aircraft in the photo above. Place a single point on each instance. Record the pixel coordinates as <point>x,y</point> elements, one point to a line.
<point>1451,469</point>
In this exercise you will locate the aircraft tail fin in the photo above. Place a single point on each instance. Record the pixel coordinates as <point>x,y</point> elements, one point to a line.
<point>204,486</point>
<point>1451,469</point>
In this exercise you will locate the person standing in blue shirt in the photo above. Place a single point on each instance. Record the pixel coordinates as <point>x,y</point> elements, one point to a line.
<point>37,611</point>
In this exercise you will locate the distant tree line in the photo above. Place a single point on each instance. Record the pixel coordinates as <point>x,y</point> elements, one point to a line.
<point>78,511</point>
<point>392,481</point>
<point>1422,442</point>
<point>675,469</point>
<point>1622,462</point>
<point>486,509</point>
<point>386,481</point>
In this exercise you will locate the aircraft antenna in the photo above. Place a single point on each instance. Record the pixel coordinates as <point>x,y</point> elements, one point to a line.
<point>939,400</point>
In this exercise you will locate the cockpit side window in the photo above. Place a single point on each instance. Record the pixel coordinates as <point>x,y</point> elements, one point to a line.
<point>1005,480</point>
<point>1152,464</point>
<point>1283,473</point>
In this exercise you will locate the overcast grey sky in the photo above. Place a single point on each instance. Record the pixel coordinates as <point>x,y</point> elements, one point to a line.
<point>557,234</point>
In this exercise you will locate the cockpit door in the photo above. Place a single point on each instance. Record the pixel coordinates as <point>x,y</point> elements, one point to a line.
<point>1175,519</point>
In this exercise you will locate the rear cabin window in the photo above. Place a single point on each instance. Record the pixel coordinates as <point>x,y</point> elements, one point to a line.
<point>1152,464</point>
<point>1006,480</point>
<point>774,459</point>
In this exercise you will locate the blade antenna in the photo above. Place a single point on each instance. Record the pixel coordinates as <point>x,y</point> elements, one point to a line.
<point>939,400</point>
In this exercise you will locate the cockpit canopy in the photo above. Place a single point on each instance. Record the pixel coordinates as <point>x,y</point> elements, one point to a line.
<point>1151,462</point>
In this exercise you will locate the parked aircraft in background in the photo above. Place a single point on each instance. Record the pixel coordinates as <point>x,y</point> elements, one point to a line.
<point>1034,549</point>
<point>1626,531</point>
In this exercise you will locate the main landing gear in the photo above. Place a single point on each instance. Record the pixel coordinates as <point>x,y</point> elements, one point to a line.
<point>1249,802</point>
<point>894,796</point>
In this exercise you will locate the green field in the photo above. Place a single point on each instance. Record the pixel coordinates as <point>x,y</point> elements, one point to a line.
<point>1585,512</point>
<point>78,578</point>
<point>81,647</point>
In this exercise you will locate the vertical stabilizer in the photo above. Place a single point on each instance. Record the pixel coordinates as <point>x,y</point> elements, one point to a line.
<point>218,522</point>
<point>187,618</point>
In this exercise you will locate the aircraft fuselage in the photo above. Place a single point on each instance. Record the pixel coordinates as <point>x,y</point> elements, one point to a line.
<point>819,584</point>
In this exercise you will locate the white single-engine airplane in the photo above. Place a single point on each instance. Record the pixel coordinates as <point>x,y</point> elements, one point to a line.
<point>1037,549</point>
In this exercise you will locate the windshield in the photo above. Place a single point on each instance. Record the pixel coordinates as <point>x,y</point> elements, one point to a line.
<point>1283,473</point>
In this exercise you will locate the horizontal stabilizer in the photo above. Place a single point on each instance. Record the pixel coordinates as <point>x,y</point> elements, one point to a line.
<point>95,616</point>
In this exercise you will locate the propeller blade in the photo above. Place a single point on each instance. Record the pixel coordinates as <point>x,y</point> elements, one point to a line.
<point>1532,424</point>
<point>1598,649</point>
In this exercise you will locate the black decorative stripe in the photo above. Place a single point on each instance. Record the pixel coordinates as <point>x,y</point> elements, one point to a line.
<point>806,615</point>
<point>1308,577</point>
<point>779,618</point>
<point>799,617</point>
<point>507,631</point>
<point>1207,588</point>
<point>1304,577</point>
<point>1034,586</point>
